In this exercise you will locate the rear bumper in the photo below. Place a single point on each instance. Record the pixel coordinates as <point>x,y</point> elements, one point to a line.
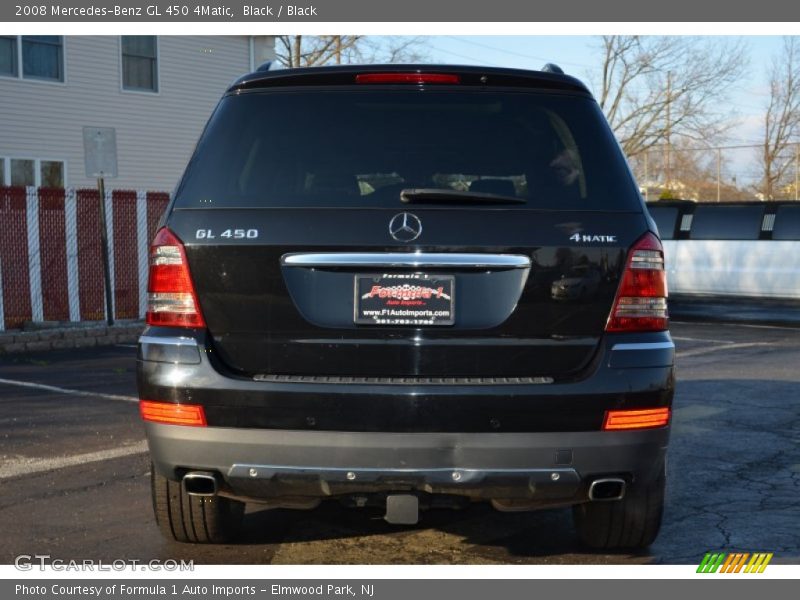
<point>627,371</point>
<point>542,468</point>
<point>540,441</point>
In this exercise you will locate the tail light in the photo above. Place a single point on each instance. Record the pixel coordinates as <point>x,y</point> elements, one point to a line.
<point>418,78</point>
<point>172,414</point>
<point>648,418</point>
<point>641,302</point>
<point>171,299</point>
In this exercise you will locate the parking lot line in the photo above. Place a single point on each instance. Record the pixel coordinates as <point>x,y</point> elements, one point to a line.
<point>710,349</point>
<point>705,340</point>
<point>60,390</point>
<point>16,467</point>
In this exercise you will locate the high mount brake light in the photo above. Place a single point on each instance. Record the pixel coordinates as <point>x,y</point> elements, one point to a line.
<point>171,299</point>
<point>417,78</point>
<point>641,301</point>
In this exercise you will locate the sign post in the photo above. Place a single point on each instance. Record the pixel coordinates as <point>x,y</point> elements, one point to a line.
<point>100,156</point>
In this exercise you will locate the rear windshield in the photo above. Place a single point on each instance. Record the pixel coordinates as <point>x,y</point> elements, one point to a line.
<point>361,148</point>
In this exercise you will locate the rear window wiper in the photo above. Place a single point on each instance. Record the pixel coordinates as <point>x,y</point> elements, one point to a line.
<point>439,195</point>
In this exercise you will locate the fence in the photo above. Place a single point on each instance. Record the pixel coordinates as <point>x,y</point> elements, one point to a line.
<point>50,254</point>
<point>717,173</point>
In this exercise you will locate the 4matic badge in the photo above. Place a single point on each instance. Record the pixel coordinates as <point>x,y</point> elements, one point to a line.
<point>586,237</point>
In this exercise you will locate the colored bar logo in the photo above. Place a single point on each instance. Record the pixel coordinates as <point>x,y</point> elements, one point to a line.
<point>739,562</point>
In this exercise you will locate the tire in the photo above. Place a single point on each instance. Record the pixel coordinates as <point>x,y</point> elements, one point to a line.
<point>630,523</point>
<point>193,519</point>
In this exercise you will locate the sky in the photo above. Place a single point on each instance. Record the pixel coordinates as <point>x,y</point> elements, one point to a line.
<point>580,56</point>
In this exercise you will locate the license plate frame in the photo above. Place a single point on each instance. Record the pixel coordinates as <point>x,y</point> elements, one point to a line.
<point>404,299</point>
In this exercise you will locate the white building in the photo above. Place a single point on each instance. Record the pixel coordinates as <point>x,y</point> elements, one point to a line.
<point>156,91</point>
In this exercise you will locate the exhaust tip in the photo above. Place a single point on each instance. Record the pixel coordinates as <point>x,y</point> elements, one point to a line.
<point>200,484</point>
<point>612,488</point>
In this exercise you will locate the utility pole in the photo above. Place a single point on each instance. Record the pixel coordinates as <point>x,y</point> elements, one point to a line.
<point>668,134</point>
<point>796,169</point>
<point>719,173</point>
<point>298,41</point>
<point>646,179</point>
<point>338,49</point>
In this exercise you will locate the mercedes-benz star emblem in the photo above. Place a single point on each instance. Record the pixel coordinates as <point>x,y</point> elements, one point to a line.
<point>405,227</point>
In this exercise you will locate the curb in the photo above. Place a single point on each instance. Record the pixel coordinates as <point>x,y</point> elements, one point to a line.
<point>16,342</point>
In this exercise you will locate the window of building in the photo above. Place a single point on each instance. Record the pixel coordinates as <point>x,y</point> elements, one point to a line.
<point>8,55</point>
<point>51,173</point>
<point>139,63</point>
<point>32,172</point>
<point>43,57</point>
<point>23,172</point>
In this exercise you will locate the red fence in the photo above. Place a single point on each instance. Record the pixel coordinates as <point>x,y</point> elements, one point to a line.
<point>50,258</point>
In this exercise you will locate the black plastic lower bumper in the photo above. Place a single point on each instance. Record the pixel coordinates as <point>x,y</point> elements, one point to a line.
<point>542,467</point>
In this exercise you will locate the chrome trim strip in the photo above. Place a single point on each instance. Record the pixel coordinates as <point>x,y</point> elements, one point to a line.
<point>168,341</point>
<point>645,346</point>
<point>406,259</point>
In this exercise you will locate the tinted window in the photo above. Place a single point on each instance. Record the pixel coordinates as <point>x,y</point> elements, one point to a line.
<point>727,222</point>
<point>361,148</point>
<point>666,218</point>
<point>787,223</point>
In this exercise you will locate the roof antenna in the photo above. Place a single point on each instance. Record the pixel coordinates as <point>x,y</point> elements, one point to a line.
<point>270,65</point>
<point>552,68</point>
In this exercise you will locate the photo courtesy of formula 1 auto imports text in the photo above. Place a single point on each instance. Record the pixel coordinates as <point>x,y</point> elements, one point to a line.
<point>351,299</point>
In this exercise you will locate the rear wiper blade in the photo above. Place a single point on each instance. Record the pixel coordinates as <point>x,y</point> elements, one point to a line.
<point>440,195</point>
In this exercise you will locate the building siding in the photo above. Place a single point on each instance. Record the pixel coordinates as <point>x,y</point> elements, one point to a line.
<point>156,132</point>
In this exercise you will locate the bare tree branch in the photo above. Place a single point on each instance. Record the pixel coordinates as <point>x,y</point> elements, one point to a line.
<point>781,118</point>
<point>634,94</point>
<point>310,51</point>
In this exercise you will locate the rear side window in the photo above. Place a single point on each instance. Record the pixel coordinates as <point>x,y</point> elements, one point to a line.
<point>666,217</point>
<point>361,148</point>
<point>727,222</point>
<point>787,223</point>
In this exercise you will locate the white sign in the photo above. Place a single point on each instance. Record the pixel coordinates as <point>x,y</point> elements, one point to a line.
<point>100,151</point>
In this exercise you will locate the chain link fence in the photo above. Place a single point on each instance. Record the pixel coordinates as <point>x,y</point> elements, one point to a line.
<point>725,173</point>
<point>51,265</point>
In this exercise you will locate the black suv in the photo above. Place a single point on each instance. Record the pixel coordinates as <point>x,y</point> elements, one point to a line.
<point>356,293</point>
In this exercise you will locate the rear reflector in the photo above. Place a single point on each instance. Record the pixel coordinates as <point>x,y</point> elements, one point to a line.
<point>171,299</point>
<point>172,414</point>
<point>418,78</point>
<point>641,302</point>
<point>636,419</point>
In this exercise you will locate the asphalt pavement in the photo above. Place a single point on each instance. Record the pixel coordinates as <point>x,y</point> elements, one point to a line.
<point>74,472</point>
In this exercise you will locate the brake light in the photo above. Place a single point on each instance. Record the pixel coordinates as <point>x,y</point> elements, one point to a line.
<point>636,419</point>
<point>172,414</point>
<point>418,78</point>
<point>641,301</point>
<point>171,299</point>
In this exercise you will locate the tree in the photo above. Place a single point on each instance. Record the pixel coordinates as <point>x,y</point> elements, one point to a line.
<point>781,119</point>
<point>311,51</point>
<point>654,87</point>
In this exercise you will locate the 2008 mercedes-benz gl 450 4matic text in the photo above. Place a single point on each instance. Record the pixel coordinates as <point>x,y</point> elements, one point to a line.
<point>402,287</point>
